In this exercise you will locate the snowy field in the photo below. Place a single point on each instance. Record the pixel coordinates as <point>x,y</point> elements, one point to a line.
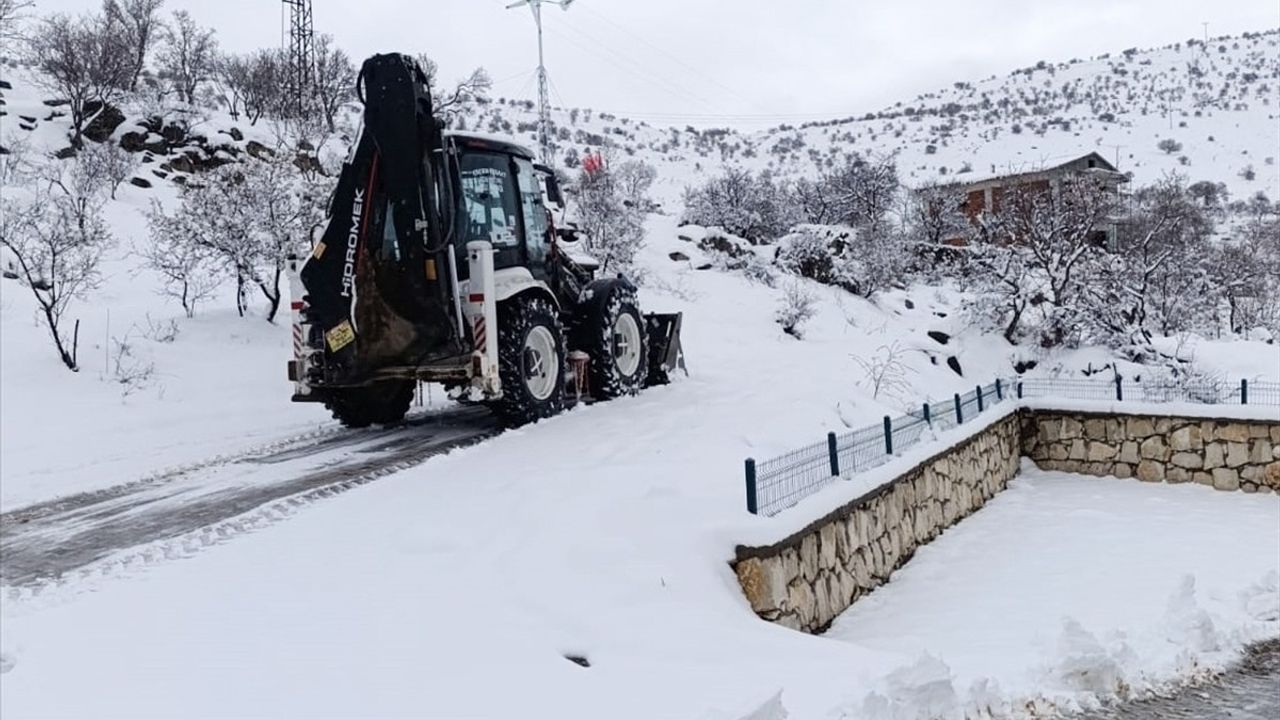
<point>455,590</point>
<point>1065,588</point>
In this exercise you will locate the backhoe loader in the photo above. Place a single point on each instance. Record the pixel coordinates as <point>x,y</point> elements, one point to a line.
<point>441,261</point>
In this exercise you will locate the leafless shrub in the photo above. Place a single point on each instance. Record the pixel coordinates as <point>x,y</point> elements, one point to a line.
<point>885,372</point>
<point>109,162</point>
<point>161,331</point>
<point>132,373</point>
<point>796,308</point>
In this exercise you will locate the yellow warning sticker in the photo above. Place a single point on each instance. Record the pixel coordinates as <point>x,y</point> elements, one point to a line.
<point>340,336</point>
<point>319,251</point>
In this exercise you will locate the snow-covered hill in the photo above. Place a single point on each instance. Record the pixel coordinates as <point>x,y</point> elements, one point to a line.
<point>1219,101</point>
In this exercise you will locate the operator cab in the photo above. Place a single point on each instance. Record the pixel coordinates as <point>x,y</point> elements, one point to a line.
<point>499,201</point>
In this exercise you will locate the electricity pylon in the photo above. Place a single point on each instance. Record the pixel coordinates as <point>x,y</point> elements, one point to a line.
<point>302,56</point>
<point>544,103</point>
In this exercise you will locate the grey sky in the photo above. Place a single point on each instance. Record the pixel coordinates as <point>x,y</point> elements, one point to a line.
<point>747,63</point>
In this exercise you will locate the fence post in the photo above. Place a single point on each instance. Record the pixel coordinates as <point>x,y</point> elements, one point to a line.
<point>1244,391</point>
<point>959,410</point>
<point>928,416</point>
<point>1019,389</point>
<point>888,435</point>
<point>1119,388</point>
<point>834,454</point>
<point>751,487</point>
<point>979,391</point>
<point>999,390</point>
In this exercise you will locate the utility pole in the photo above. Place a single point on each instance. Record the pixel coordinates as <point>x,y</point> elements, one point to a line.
<point>544,103</point>
<point>302,57</point>
<point>1117,149</point>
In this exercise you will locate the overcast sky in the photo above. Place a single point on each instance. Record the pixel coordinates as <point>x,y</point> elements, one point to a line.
<point>748,63</point>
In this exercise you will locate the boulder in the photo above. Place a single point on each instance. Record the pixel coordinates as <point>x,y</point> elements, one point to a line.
<point>258,150</point>
<point>139,182</point>
<point>107,118</point>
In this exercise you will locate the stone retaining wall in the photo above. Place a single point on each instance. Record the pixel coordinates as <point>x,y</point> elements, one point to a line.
<point>808,579</point>
<point>1227,454</point>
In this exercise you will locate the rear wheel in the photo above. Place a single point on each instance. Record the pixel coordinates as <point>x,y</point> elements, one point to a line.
<point>382,402</point>
<point>530,361</point>
<point>612,331</point>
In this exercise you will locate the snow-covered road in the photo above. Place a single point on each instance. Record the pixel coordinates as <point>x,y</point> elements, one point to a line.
<point>177,512</point>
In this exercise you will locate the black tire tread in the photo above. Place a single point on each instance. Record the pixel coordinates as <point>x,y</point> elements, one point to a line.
<point>381,403</point>
<point>516,318</point>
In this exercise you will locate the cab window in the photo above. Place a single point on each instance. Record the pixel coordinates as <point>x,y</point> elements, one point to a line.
<point>535,215</point>
<point>491,202</point>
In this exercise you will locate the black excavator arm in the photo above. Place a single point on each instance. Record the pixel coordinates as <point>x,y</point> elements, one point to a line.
<point>378,293</point>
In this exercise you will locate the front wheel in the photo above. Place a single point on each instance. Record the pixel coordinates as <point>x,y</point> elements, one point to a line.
<point>612,331</point>
<point>530,361</point>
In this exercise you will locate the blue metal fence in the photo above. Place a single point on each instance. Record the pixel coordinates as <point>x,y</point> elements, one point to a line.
<point>776,484</point>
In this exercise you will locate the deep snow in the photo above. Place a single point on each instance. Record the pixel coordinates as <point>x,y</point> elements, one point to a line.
<point>454,590</point>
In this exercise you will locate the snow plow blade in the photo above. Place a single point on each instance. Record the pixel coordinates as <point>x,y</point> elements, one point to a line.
<point>666,354</point>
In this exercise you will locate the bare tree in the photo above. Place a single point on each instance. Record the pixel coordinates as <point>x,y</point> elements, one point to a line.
<point>12,14</point>
<point>110,162</point>
<point>815,205</point>
<point>189,270</point>
<point>634,178</point>
<point>57,235</point>
<point>1158,254</point>
<point>751,206</point>
<point>83,61</point>
<point>139,23</point>
<point>934,214</point>
<point>335,79</point>
<point>188,55</point>
<point>265,84</point>
<point>450,103</point>
<point>246,218</point>
<point>281,220</point>
<point>1058,231</point>
<point>862,190</point>
<point>613,222</point>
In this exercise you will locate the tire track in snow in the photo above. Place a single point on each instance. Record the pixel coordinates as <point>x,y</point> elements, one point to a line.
<point>177,514</point>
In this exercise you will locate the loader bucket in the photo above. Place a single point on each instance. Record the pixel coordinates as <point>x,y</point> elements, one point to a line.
<point>666,354</point>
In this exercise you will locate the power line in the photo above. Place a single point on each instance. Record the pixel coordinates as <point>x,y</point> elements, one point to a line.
<point>687,66</point>
<point>625,64</point>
